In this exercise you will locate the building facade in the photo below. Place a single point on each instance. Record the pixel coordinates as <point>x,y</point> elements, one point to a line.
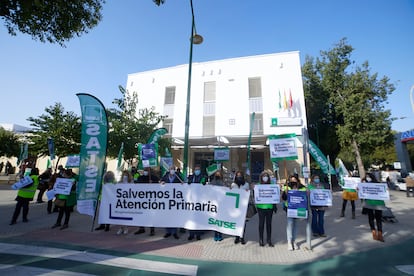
<point>224,96</point>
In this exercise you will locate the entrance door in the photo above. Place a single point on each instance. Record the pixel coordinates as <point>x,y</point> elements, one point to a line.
<point>257,165</point>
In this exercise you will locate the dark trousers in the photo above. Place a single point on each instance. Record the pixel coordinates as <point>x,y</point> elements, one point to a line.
<point>377,216</point>
<point>344,202</point>
<point>64,211</point>
<point>22,203</point>
<point>40,195</point>
<point>265,216</point>
<point>318,221</point>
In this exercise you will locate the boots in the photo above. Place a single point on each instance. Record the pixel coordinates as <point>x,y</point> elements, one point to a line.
<point>379,237</point>
<point>261,242</point>
<point>374,234</point>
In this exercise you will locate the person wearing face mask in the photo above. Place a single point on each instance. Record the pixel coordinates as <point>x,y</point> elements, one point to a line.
<point>200,178</point>
<point>217,180</point>
<point>374,210</point>
<point>293,184</point>
<point>146,177</point>
<point>240,183</point>
<point>265,212</point>
<point>318,212</point>
<point>171,177</point>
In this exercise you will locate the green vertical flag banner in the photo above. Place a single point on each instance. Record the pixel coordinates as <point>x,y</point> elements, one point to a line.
<point>342,172</point>
<point>92,153</point>
<point>156,135</point>
<point>320,159</point>
<point>120,153</point>
<point>249,142</point>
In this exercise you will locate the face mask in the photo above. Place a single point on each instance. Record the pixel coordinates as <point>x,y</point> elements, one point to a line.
<point>265,178</point>
<point>239,179</point>
<point>197,172</point>
<point>316,180</point>
<point>369,179</point>
<point>145,173</point>
<point>217,177</point>
<point>172,171</point>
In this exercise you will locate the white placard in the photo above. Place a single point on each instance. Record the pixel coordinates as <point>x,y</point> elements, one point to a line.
<point>320,197</point>
<point>351,182</point>
<point>23,182</point>
<point>266,194</point>
<point>378,191</point>
<point>50,194</point>
<point>63,186</point>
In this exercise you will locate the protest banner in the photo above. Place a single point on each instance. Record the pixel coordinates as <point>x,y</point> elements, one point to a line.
<point>23,182</point>
<point>194,207</point>
<point>378,191</point>
<point>320,197</point>
<point>63,186</point>
<point>297,204</point>
<point>351,182</point>
<point>266,194</point>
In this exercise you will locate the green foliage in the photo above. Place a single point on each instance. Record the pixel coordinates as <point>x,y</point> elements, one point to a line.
<point>9,144</point>
<point>63,127</point>
<point>131,126</point>
<point>345,105</point>
<point>52,21</point>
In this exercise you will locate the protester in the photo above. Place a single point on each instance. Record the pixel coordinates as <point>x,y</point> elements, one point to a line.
<point>109,178</point>
<point>318,212</point>
<point>24,196</point>
<point>1,166</point>
<point>374,210</point>
<point>240,183</point>
<point>351,195</point>
<point>68,202</point>
<point>126,178</point>
<point>293,184</point>
<point>265,212</point>
<point>147,177</point>
<point>217,180</point>
<point>171,177</point>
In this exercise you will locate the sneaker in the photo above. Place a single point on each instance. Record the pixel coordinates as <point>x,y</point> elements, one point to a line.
<point>120,231</point>
<point>295,246</point>
<point>100,227</point>
<point>290,247</point>
<point>56,225</point>
<point>219,238</point>
<point>64,226</point>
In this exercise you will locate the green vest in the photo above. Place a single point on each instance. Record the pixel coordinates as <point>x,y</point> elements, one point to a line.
<point>29,192</point>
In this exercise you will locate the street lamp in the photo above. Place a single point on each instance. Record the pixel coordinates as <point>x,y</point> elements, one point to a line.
<point>194,39</point>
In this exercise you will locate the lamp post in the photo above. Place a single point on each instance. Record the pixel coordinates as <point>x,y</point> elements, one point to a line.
<point>194,39</point>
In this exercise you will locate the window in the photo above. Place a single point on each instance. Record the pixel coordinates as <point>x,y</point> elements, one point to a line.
<point>168,124</point>
<point>209,125</point>
<point>258,124</point>
<point>169,95</point>
<point>255,88</point>
<point>210,91</point>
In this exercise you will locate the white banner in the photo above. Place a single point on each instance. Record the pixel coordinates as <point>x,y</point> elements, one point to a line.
<point>63,186</point>
<point>320,197</point>
<point>266,194</point>
<point>195,207</point>
<point>23,182</point>
<point>351,182</point>
<point>377,191</point>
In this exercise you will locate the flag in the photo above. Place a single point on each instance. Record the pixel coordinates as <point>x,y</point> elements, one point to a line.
<point>320,158</point>
<point>342,172</point>
<point>290,99</point>
<point>94,139</point>
<point>48,164</point>
<point>249,142</point>
<point>212,169</point>
<point>120,153</point>
<point>51,147</point>
<point>280,101</point>
<point>156,135</point>
<point>285,104</point>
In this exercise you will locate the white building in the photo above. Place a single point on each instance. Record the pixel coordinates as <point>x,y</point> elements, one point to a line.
<point>224,94</point>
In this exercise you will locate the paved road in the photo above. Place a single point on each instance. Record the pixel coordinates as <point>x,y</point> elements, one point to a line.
<point>34,248</point>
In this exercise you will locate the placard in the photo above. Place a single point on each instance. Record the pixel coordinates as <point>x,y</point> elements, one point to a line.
<point>378,191</point>
<point>297,204</point>
<point>320,197</point>
<point>266,194</point>
<point>63,185</point>
<point>351,182</point>
<point>23,182</point>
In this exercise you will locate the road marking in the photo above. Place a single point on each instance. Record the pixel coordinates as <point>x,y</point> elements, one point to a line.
<point>100,259</point>
<point>31,270</point>
<point>409,269</point>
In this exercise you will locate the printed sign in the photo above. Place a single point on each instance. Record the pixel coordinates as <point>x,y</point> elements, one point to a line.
<point>195,207</point>
<point>266,194</point>
<point>297,204</point>
<point>320,197</point>
<point>283,147</point>
<point>221,154</point>
<point>351,182</point>
<point>63,186</point>
<point>25,181</point>
<point>377,191</point>
<point>73,161</point>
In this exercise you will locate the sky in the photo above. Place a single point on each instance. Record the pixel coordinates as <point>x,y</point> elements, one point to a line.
<point>136,36</point>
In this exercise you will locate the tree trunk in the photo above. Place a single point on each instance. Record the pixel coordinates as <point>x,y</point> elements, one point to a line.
<point>361,168</point>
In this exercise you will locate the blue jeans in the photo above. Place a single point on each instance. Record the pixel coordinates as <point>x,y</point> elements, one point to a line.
<point>291,229</point>
<point>317,221</point>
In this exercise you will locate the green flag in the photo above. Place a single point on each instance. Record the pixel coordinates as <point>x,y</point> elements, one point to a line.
<point>120,153</point>
<point>92,154</point>
<point>156,135</point>
<point>212,169</point>
<point>320,159</point>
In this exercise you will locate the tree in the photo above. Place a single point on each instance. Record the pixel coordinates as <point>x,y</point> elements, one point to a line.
<point>52,21</point>
<point>9,144</point>
<point>354,97</point>
<point>129,126</point>
<point>63,127</point>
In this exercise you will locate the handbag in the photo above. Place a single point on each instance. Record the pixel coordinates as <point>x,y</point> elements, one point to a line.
<point>60,202</point>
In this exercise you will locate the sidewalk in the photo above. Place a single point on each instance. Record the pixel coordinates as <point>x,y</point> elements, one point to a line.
<point>345,236</point>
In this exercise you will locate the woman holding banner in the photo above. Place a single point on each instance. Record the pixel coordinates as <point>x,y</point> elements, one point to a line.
<point>318,212</point>
<point>374,210</point>
<point>265,214</point>
<point>293,184</point>
<point>240,183</point>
